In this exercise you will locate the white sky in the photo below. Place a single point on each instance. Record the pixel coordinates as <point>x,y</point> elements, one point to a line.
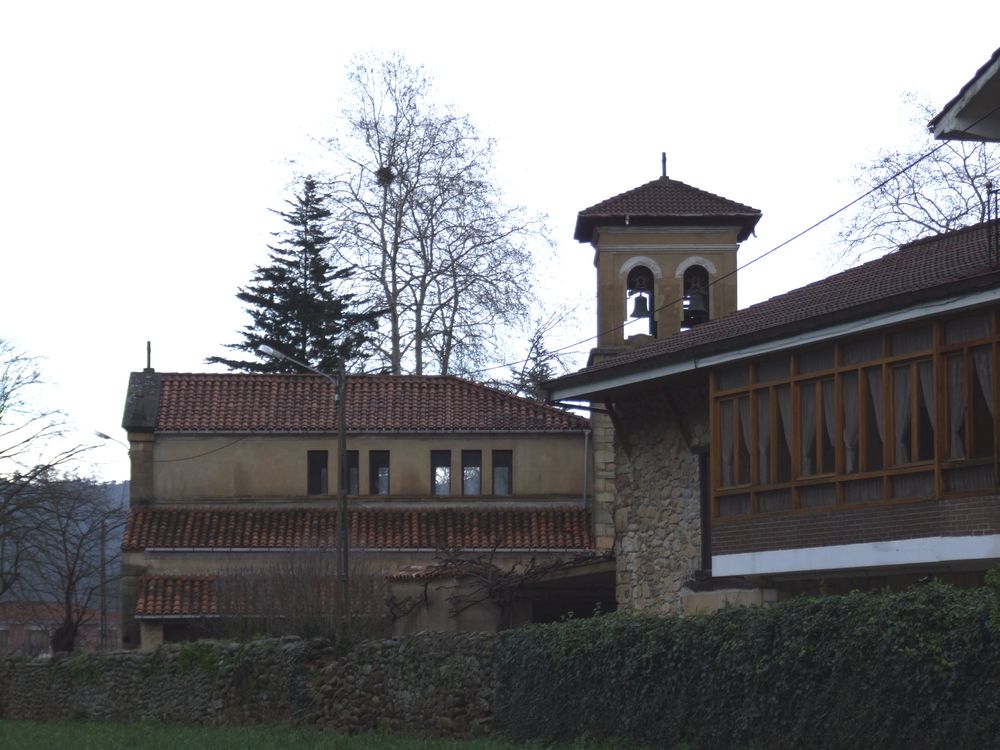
<point>141,144</point>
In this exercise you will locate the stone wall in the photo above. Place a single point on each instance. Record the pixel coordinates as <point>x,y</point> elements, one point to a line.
<point>434,683</point>
<point>658,507</point>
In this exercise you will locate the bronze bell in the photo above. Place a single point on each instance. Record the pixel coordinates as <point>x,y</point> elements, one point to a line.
<point>696,305</point>
<point>641,307</point>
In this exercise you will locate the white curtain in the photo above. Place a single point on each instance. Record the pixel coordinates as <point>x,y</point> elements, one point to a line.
<point>956,405</point>
<point>784,394</point>
<point>807,414</point>
<point>902,409</point>
<point>874,375</point>
<point>849,394</point>
<point>763,437</point>
<point>744,403</point>
<point>982,356</point>
<point>829,418</point>
<point>726,430</point>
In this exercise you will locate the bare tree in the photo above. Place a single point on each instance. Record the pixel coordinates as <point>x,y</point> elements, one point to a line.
<point>944,191</point>
<point>29,451</point>
<point>417,214</point>
<point>70,556</point>
<point>297,595</point>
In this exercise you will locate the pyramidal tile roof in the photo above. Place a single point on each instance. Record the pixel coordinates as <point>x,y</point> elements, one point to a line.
<point>667,202</point>
<point>239,402</point>
<point>930,268</point>
<point>549,528</point>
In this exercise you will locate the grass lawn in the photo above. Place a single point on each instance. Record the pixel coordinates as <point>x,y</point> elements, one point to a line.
<point>26,735</point>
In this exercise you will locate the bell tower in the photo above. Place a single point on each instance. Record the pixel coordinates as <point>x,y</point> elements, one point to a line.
<point>665,254</point>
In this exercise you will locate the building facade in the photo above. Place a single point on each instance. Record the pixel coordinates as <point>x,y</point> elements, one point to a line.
<point>237,472</point>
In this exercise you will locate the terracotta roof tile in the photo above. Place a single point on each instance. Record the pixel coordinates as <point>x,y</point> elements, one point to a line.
<point>236,402</point>
<point>550,528</point>
<point>664,201</point>
<point>930,268</point>
<point>177,596</point>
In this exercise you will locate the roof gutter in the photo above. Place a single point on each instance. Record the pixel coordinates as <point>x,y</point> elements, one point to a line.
<point>614,380</point>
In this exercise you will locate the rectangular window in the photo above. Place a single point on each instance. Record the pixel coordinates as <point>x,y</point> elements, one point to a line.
<point>440,472</point>
<point>971,421</point>
<point>4,638</point>
<point>317,472</point>
<point>378,472</point>
<point>503,473</point>
<point>472,472</point>
<point>351,477</point>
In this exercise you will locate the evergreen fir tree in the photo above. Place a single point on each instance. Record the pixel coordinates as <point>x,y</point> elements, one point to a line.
<point>294,302</point>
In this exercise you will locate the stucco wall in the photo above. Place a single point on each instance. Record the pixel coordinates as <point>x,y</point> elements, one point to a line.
<point>274,466</point>
<point>658,509</point>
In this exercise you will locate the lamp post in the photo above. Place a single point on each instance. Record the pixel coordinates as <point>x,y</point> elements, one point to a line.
<point>343,535</point>
<point>103,634</point>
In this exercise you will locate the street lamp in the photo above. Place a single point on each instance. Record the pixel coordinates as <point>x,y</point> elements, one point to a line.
<point>343,537</point>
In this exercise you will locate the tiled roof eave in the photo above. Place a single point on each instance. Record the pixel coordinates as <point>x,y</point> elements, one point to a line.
<point>367,433</point>
<point>735,344</point>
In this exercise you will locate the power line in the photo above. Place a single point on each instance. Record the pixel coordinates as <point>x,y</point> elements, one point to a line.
<point>774,249</point>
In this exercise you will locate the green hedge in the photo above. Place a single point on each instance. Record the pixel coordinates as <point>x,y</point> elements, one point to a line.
<point>914,670</point>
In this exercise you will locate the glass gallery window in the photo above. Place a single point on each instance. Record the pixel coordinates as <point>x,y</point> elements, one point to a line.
<point>875,418</point>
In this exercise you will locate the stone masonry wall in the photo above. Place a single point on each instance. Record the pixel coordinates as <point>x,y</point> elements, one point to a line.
<point>658,508</point>
<point>440,684</point>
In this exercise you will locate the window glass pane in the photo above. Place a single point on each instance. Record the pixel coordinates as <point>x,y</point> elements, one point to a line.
<point>726,441</point>
<point>783,436</point>
<point>743,440</point>
<point>772,369</point>
<point>913,485</point>
<point>969,478</point>
<point>503,473</point>
<point>807,428</point>
<point>817,495</point>
<point>982,407</point>
<point>925,417</point>
<point>317,472</point>
<point>773,501</point>
<point>862,350</point>
<point>956,405</point>
<point>967,329</point>
<point>850,416</point>
<point>816,360</point>
<point>912,340</point>
<point>441,472</point>
<point>351,477</point>
<point>733,377</point>
<point>902,401</point>
<point>863,491</point>
<point>378,472</point>
<point>734,505</point>
<point>874,420</point>
<point>763,436</point>
<point>828,429</point>
<point>472,472</point>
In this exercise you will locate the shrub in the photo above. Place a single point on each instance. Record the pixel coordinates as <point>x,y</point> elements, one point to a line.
<point>919,669</point>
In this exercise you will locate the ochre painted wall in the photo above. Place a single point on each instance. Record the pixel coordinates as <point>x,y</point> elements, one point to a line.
<point>233,467</point>
<point>669,249</point>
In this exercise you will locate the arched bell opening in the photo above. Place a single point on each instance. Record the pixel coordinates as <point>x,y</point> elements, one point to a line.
<point>695,297</point>
<point>639,307</point>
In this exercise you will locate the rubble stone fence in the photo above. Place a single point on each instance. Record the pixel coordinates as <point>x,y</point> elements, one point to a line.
<point>440,684</point>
